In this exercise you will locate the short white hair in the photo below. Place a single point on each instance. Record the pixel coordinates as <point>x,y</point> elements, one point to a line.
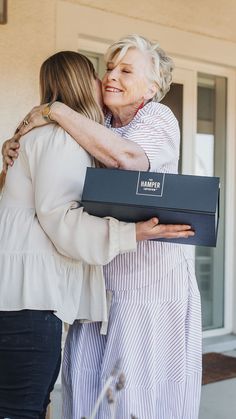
<point>160,71</point>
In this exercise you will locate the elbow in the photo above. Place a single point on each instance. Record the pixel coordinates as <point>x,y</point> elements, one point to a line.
<point>129,161</point>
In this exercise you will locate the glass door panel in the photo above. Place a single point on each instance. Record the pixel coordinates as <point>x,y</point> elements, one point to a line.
<point>204,154</point>
<point>210,145</point>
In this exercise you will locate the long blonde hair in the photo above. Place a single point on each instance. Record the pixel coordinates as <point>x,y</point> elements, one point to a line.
<point>68,77</point>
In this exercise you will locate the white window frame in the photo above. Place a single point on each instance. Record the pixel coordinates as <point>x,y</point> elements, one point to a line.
<point>189,79</point>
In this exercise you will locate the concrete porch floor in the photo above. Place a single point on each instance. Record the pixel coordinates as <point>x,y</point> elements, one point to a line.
<point>218,399</point>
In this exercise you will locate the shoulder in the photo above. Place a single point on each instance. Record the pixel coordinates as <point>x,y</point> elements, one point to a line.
<point>45,132</point>
<point>156,118</point>
<point>52,145</point>
<point>50,136</point>
<point>51,148</point>
<point>157,111</point>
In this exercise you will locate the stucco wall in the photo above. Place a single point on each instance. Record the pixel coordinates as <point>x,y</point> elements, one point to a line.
<point>209,17</point>
<point>25,41</point>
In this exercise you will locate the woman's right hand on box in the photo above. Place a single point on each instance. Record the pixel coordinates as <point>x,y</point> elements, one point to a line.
<point>151,229</point>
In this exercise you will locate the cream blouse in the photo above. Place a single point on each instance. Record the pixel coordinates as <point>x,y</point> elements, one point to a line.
<point>51,251</point>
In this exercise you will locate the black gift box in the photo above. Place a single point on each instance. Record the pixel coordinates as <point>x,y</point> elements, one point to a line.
<point>175,199</point>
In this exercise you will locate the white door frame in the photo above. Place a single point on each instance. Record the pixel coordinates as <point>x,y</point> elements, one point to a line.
<point>188,78</point>
<point>186,74</point>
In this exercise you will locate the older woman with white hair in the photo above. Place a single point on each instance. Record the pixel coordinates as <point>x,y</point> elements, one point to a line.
<point>155,315</point>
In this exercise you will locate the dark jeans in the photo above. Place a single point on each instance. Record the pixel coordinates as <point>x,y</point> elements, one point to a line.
<point>30,357</point>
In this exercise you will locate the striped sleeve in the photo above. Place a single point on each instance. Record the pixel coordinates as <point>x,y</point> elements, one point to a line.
<point>157,132</point>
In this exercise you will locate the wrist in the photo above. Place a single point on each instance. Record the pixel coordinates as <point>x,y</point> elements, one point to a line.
<point>46,112</point>
<point>57,110</point>
<point>139,235</point>
<point>54,110</point>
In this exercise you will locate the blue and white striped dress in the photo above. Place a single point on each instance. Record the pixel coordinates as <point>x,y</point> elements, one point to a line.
<point>155,317</point>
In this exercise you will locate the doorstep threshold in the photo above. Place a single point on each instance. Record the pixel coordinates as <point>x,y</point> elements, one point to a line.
<point>222,343</point>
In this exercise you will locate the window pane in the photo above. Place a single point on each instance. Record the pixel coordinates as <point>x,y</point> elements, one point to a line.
<point>204,150</point>
<point>210,161</point>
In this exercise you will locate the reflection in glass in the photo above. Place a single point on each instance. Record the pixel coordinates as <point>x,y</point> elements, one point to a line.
<point>204,155</point>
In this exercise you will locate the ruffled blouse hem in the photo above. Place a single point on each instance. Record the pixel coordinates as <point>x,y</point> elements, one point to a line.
<point>38,281</point>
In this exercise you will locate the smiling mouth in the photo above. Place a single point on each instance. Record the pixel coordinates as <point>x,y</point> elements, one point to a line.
<point>112,89</point>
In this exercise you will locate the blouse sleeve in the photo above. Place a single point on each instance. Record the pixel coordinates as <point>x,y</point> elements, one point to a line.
<point>58,167</point>
<point>157,132</point>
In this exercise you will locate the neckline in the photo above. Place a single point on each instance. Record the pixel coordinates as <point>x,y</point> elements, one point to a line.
<point>109,116</point>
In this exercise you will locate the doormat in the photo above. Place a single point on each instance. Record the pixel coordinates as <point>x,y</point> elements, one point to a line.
<point>217,367</point>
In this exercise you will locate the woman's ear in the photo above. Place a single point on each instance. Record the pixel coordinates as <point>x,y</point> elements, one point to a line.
<point>151,91</point>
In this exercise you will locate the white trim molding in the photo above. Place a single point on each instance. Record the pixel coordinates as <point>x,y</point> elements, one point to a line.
<point>76,24</point>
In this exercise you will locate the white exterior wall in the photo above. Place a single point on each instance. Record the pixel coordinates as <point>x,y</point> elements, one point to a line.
<point>208,17</point>
<point>25,41</point>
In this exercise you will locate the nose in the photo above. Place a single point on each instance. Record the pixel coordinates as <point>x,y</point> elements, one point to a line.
<point>112,74</point>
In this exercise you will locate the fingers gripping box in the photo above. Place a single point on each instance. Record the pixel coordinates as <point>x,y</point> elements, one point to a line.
<point>137,196</point>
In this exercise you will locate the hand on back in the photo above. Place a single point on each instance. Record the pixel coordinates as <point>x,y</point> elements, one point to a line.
<point>10,151</point>
<point>11,147</point>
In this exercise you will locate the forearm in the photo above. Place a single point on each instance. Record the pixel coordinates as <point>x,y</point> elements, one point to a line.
<point>80,236</point>
<point>57,168</point>
<point>106,146</point>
